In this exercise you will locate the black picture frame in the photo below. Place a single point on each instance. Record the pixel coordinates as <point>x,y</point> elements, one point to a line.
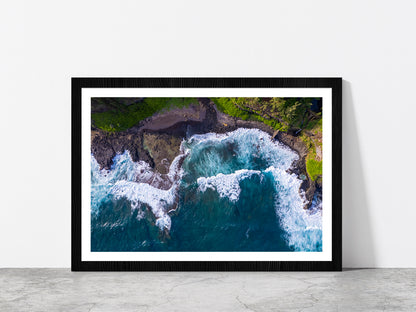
<point>334,83</point>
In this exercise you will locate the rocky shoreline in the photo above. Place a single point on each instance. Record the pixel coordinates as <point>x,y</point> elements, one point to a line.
<point>156,140</point>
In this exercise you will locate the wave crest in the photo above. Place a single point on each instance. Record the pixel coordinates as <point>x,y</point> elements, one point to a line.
<point>253,147</point>
<point>218,162</point>
<point>138,183</point>
<point>227,185</point>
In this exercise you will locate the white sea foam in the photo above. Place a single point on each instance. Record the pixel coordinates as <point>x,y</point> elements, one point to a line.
<point>303,227</point>
<point>103,180</point>
<point>251,142</point>
<point>137,182</point>
<point>227,185</point>
<point>158,200</point>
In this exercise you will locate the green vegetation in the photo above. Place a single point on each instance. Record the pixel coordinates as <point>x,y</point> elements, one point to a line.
<point>227,106</point>
<point>120,117</point>
<point>279,113</point>
<point>313,124</point>
<point>283,114</point>
<point>235,107</point>
<point>314,168</point>
<point>313,163</point>
<point>271,122</point>
<point>308,142</point>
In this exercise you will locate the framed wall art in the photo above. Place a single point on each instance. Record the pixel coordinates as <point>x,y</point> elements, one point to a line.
<point>198,174</point>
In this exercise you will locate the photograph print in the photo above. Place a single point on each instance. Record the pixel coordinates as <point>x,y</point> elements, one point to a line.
<point>207,178</point>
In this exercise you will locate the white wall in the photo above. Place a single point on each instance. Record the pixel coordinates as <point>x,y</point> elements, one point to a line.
<point>371,44</point>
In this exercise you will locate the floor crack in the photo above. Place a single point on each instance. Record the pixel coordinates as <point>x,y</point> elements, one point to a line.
<point>244,304</point>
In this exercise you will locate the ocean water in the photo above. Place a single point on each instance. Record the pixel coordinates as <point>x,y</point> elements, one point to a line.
<point>232,192</point>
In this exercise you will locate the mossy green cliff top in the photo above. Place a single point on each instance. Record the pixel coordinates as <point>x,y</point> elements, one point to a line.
<point>299,117</point>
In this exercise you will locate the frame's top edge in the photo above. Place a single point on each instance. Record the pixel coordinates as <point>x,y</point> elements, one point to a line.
<point>206,82</point>
<point>211,78</point>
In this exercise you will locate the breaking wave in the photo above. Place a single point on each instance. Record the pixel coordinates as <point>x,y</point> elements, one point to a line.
<point>219,163</point>
<point>137,182</point>
<point>253,152</point>
<point>227,185</point>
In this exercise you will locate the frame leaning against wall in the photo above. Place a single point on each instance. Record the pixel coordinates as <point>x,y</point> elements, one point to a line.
<point>78,84</point>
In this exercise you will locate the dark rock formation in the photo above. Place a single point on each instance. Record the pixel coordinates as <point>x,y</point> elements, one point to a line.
<point>157,139</point>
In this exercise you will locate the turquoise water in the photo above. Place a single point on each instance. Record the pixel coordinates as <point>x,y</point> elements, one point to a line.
<point>232,193</point>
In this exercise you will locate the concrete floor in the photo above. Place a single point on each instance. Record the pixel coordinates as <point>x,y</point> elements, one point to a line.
<point>352,290</point>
